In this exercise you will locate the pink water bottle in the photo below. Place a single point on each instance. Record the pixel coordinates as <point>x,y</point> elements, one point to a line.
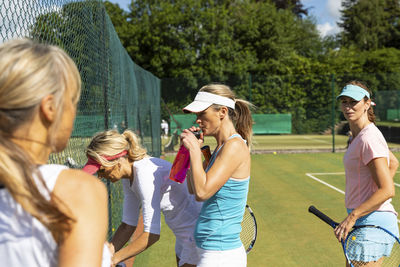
<point>181,163</point>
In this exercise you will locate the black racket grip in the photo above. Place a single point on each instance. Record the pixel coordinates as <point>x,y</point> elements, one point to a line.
<point>197,134</point>
<point>322,216</point>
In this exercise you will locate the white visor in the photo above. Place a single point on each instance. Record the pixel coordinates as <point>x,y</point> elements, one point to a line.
<point>203,100</point>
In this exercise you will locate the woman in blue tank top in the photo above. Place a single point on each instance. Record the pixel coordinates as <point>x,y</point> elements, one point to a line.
<point>223,185</point>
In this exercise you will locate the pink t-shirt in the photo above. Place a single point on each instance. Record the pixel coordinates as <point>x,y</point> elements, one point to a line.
<point>369,144</point>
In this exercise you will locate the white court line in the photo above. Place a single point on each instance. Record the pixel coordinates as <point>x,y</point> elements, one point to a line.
<point>325,183</point>
<point>326,173</point>
<point>338,173</point>
<point>331,186</point>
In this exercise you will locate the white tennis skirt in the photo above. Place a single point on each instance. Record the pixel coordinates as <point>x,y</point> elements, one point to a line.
<point>222,258</point>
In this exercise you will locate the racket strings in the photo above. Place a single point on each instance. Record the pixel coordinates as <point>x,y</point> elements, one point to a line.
<point>372,246</point>
<point>248,233</point>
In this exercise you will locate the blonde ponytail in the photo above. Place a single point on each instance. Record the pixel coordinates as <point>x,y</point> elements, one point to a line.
<point>111,142</point>
<point>22,179</point>
<point>242,120</point>
<point>135,151</point>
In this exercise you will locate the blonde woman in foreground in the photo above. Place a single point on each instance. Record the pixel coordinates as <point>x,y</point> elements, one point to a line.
<point>49,215</point>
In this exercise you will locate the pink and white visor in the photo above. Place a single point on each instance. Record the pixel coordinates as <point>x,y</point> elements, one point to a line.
<point>92,166</point>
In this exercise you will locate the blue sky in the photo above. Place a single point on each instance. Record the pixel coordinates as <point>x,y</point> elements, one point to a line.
<point>326,13</point>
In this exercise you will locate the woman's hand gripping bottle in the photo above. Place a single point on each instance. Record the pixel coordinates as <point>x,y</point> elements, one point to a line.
<point>181,163</point>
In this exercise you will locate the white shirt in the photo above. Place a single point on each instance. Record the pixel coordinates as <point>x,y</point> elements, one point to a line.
<point>24,240</point>
<point>154,192</point>
<point>164,126</point>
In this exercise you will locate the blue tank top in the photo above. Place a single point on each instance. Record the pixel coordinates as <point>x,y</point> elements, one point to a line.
<point>218,226</point>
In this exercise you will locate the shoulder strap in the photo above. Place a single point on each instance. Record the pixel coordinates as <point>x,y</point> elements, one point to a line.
<point>214,155</point>
<point>236,135</point>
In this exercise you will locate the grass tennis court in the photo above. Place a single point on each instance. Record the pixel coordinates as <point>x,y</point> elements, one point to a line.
<point>287,143</point>
<point>280,194</point>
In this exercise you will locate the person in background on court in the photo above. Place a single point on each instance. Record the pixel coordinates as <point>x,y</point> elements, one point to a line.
<point>370,168</point>
<point>49,215</point>
<point>146,186</point>
<point>224,184</point>
<point>164,128</point>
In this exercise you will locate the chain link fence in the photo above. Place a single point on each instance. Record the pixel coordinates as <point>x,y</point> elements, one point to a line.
<point>116,93</point>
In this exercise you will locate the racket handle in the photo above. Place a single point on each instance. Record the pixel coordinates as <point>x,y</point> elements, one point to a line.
<point>206,153</point>
<point>322,216</point>
<point>197,134</point>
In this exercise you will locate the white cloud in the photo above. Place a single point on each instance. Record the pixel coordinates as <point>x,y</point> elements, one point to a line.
<point>331,10</point>
<point>327,29</point>
<point>333,7</point>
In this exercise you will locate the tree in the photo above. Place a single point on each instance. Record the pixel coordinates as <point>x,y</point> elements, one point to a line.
<point>76,28</point>
<point>203,39</point>
<point>120,21</point>
<point>261,51</point>
<point>370,24</point>
<point>294,5</point>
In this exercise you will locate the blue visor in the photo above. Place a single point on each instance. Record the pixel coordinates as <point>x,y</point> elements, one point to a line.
<point>354,91</point>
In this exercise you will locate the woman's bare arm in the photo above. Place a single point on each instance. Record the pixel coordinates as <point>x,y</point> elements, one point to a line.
<point>122,235</point>
<point>383,179</point>
<point>85,199</point>
<point>393,164</point>
<point>137,246</point>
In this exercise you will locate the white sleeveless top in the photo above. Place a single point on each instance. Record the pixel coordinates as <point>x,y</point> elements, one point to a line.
<point>24,240</point>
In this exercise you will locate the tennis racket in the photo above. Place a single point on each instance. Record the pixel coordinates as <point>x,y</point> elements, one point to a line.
<point>248,235</point>
<point>367,245</point>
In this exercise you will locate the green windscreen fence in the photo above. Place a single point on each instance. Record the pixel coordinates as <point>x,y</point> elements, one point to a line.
<point>387,105</point>
<point>180,122</point>
<point>393,114</point>
<point>263,123</point>
<point>116,93</point>
<point>272,123</point>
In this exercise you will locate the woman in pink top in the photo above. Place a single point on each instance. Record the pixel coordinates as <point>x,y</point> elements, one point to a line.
<point>370,168</point>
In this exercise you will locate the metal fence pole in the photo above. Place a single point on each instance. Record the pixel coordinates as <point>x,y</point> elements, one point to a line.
<point>105,77</point>
<point>333,112</point>
<point>250,85</point>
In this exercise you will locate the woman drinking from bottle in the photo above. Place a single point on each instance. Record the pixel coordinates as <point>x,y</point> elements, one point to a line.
<point>146,186</point>
<point>224,184</point>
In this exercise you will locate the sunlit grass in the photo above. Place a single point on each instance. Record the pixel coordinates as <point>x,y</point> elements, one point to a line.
<point>280,194</point>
